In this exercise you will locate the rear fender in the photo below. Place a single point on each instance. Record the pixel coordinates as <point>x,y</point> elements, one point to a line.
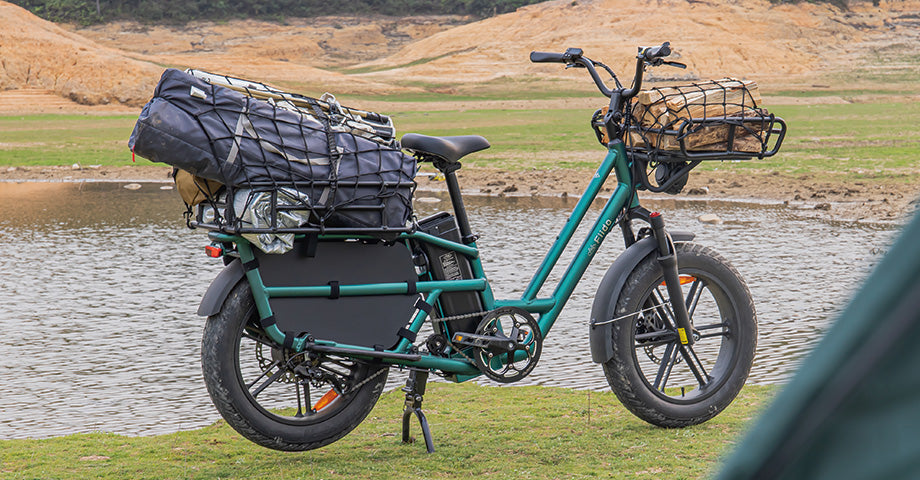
<point>608,292</point>
<point>220,287</point>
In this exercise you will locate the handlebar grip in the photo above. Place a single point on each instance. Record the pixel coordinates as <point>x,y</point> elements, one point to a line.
<point>651,53</point>
<point>547,57</point>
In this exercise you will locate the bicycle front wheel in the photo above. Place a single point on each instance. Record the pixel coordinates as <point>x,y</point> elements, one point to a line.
<point>656,377</point>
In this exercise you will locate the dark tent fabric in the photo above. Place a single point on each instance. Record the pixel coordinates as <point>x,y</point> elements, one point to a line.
<point>852,410</point>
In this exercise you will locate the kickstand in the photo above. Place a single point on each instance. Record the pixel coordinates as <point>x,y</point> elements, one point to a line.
<point>415,390</point>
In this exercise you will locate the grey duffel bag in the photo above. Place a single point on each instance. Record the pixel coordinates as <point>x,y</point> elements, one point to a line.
<point>250,144</point>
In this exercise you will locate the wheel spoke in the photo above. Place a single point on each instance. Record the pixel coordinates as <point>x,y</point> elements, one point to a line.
<point>307,398</point>
<point>712,326</point>
<point>693,362</point>
<point>280,373</point>
<point>299,410</point>
<point>714,335</point>
<point>663,366</point>
<point>659,337</point>
<point>264,373</point>
<point>662,306</point>
<point>693,297</point>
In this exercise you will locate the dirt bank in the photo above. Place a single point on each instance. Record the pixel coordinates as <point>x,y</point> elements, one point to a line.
<point>865,201</point>
<point>789,44</point>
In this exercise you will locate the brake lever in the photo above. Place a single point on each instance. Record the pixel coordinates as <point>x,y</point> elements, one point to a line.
<point>675,64</point>
<point>574,65</point>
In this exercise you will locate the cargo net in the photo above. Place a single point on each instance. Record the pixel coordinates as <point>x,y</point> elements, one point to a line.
<point>287,164</point>
<point>370,125</point>
<point>715,120</point>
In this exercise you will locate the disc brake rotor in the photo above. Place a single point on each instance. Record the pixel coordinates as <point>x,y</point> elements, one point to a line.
<point>649,322</point>
<point>273,362</point>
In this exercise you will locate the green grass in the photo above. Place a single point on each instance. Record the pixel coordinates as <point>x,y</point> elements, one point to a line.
<point>866,141</point>
<point>66,139</point>
<point>870,141</point>
<point>857,141</point>
<point>521,139</point>
<point>479,432</point>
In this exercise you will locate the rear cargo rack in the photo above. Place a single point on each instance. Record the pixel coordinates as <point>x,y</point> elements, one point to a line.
<point>277,211</point>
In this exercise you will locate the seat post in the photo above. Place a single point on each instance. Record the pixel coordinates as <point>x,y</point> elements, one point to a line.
<point>456,199</point>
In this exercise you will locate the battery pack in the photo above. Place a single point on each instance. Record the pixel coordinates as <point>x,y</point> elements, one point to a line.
<point>444,264</point>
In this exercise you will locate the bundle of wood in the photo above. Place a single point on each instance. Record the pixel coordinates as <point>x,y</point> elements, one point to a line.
<point>710,110</point>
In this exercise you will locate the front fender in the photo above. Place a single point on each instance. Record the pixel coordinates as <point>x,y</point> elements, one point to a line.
<point>608,292</point>
<point>220,287</point>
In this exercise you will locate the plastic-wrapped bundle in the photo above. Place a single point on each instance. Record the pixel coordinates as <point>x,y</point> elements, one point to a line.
<point>217,133</point>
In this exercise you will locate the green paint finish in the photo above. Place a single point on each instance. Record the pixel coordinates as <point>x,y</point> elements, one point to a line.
<point>468,250</point>
<point>547,308</point>
<point>377,289</point>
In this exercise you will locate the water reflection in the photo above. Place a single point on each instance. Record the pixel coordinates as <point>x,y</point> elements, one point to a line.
<point>100,287</point>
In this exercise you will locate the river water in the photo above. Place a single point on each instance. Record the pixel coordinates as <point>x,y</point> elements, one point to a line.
<point>100,285</point>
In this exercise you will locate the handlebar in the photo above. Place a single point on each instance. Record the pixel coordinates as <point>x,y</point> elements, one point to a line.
<point>574,57</point>
<point>650,54</point>
<point>547,57</point>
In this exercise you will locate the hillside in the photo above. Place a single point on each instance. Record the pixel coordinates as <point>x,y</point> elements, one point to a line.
<point>39,54</point>
<point>714,38</point>
<point>802,44</point>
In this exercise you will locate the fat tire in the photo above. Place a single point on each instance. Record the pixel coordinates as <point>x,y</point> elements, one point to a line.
<point>623,371</point>
<point>219,361</point>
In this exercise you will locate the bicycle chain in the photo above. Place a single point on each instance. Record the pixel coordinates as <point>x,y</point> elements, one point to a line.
<point>368,379</point>
<point>449,343</point>
<point>354,388</point>
<point>463,316</point>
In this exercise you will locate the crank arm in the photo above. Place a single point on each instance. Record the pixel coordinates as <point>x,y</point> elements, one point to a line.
<point>667,258</point>
<point>487,342</point>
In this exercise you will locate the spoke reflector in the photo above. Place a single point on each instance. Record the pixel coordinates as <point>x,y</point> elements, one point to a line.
<point>684,279</point>
<point>325,400</point>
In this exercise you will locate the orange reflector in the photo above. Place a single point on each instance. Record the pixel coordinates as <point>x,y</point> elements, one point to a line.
<point>214,251</point>
<point>325,400</point>
<point>684,279</point>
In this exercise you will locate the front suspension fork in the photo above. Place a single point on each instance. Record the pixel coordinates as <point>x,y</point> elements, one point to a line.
<point>667,258</point>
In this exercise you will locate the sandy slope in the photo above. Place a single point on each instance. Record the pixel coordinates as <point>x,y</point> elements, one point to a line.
<point>714,37</point>
<point>121,62</point>
<point>40,54</point>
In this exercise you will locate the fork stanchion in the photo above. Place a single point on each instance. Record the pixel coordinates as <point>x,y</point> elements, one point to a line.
<point>667,258</point>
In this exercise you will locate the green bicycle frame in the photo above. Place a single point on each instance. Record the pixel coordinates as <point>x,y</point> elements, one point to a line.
<point>547,309</point>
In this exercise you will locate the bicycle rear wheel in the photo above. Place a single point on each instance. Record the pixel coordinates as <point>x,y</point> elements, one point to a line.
<point>277,398</point>
<point>654,376</point>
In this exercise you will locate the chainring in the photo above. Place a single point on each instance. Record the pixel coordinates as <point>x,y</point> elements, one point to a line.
<point>519,355</point>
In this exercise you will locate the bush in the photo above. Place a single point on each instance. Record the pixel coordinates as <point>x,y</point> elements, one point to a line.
<point>180,11</point>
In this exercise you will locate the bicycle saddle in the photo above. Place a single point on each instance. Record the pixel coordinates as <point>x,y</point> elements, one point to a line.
<point>451,149</point>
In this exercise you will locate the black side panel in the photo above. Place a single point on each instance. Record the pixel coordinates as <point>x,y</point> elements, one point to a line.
<point>366,320</point>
